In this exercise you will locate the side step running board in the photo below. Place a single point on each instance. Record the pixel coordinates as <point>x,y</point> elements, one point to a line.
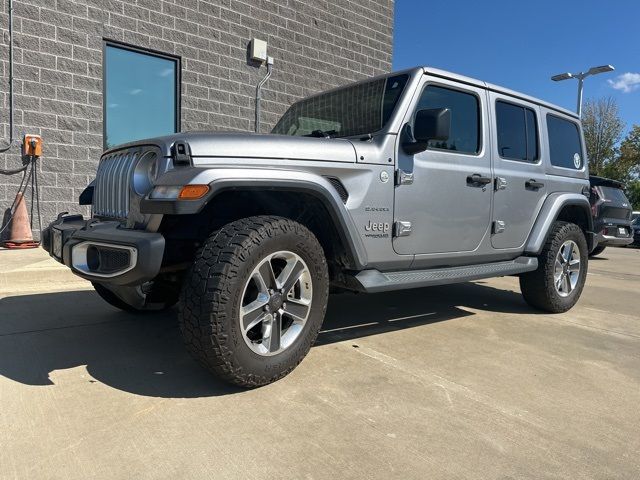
<point>374,281</point>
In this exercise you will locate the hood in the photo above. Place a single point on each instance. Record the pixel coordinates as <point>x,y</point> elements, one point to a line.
<point>254,145</point>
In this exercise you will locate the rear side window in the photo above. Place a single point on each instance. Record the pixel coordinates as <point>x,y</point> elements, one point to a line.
<point>517,132</point>
<point>565,147</point>
<point>464,136</point>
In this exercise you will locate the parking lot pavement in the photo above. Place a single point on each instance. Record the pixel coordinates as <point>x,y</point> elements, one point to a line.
<point>462,381</point>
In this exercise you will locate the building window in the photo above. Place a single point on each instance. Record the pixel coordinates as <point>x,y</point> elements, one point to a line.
<point>464,136</point>
<point>517,132</point>
<point>565,145</point>
<point>141,94</point>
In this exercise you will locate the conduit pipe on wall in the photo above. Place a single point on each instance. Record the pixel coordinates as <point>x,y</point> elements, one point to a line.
<point>9,144</point>
<point>259,92</point>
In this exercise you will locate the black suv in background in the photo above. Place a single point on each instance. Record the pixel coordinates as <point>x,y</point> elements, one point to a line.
<point>611,212</point>
<point>635,225</point>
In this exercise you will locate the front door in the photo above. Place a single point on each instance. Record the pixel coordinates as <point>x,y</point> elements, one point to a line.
<point>449,202</point>
<point>520,180</point>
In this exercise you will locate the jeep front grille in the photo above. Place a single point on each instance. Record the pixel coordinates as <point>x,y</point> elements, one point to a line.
<point>111,197</point>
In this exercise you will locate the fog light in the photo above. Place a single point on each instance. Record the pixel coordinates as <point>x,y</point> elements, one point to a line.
<point>56,243</point>
<point>93,258</point>
<point>103,259</point>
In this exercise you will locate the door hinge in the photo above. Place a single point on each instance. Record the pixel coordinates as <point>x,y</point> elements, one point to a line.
<point>404,178</point>
<point>498,226</point>
<point>401,228</point>
<point>501,183</point>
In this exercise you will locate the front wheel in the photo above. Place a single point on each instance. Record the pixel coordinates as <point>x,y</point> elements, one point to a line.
<point>254,299</point>
<point>562,270</point>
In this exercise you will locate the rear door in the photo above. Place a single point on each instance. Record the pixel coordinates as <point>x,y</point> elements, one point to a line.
<point>520,187</point>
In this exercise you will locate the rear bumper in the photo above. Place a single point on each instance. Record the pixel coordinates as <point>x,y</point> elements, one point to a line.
<point>613,241</point>
<point>608,232</point>
<point>102,251</point>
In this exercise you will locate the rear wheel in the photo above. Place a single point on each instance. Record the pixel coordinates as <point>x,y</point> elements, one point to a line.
<point>562,270</point>
<point>253,302</point>
<point>597,251</point>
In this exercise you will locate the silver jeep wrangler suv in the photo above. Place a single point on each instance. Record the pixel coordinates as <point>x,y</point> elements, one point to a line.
<point>416,178</point>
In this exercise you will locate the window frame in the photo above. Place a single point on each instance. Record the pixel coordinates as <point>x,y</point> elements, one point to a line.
<point>480,148</point>
<point>538,158</point>
<point>107,43</point>
<point>580,142</point>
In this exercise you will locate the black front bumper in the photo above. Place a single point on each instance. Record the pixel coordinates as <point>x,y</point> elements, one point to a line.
<point>119,256</point>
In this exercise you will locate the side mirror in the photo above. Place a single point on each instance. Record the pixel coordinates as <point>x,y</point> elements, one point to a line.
<point>429,124</point>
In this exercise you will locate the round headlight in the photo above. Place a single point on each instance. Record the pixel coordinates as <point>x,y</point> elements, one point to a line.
<point>145,173</point>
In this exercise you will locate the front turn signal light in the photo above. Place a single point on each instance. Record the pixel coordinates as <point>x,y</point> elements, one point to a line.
<point>193,192</point>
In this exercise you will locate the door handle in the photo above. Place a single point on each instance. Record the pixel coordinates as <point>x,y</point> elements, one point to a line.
<point>533,184</point>
<point>477,180</point>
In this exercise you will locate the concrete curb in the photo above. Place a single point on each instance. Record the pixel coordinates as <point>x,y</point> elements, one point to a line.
<point>33,270</point>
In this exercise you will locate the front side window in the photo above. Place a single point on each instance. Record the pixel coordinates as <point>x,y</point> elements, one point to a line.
<point>353,110</point>
<point>565,147</point>
<point>464,136</point>
<point>517,132</point>
<point>141,95</point>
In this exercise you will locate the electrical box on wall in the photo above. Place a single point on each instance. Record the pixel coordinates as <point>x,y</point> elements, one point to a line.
<point>32,145</point>
<point>258,50</point>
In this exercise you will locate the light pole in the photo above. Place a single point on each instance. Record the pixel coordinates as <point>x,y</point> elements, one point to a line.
<point>580,77</point>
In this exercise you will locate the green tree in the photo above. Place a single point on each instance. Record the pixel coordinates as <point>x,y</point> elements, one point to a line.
<point>626,168</point>
<point>633,193</point>
<point>628,162</point>
<point>602,127</point>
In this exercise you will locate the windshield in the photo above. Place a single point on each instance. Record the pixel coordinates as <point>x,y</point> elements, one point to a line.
<point>354,110</point>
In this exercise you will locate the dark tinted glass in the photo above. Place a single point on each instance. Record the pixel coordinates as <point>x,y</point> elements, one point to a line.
<point>517,132</point>
<point>564,143</point>
<point>532,135</point>
<point>353,110</point>
<point>465,125</point>
<point>139,95</point>
<point>613,195</point>
<point>512,131</point>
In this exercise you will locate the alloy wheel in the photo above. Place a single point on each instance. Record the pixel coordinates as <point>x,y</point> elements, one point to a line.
<point>567,268</point>
<point>276,302</point>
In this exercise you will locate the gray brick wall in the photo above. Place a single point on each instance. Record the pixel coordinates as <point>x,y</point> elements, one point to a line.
<point>317,44</point>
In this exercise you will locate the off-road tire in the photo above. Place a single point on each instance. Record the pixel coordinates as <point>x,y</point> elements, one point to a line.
<point>538,286</point>
<point>597,251</point>
<point>212,292</point>
<point>115,301</point>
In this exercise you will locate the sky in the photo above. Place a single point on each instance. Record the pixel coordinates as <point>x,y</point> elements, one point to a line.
<point>520,44</point>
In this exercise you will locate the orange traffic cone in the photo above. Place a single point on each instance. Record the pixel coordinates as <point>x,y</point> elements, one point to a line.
<point>20,233</point>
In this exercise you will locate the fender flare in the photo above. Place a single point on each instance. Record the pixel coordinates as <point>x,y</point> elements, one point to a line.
<point>222,180</point>
<point>549,213</point>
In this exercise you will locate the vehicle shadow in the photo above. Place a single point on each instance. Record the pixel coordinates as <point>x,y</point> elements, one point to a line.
<point>143,354</point>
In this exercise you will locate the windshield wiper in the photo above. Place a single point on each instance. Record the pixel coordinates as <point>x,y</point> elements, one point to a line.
<point>321,133</point>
